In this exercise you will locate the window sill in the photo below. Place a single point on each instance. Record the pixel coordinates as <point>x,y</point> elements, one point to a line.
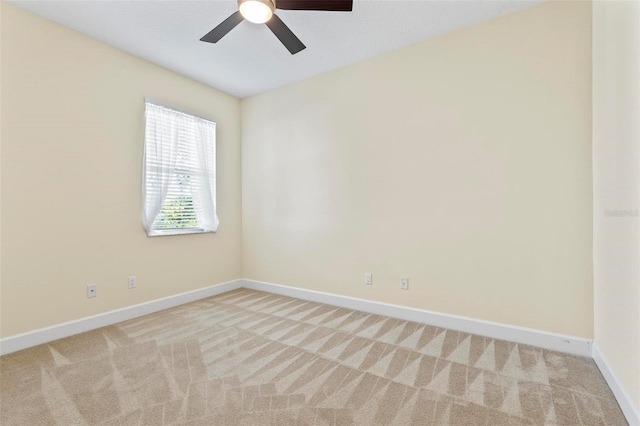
<point>170,232</point>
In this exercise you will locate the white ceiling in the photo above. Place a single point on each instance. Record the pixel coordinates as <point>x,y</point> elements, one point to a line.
<point>250,59</point>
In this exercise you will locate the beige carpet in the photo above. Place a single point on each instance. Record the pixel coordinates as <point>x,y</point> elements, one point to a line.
<point>248,357</point>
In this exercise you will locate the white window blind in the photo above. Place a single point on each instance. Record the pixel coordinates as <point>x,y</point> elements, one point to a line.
<point>179,173</point>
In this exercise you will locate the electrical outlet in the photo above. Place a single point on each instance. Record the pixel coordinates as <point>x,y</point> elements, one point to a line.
<point>404,283</point>
<point>132,281</point>
<point>367,278</point>
<point>92,290</point>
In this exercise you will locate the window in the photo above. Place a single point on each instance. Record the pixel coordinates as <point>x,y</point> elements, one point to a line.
<point>178,173</point>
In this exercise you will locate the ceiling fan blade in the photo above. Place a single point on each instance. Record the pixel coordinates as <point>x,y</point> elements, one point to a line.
<point>329,5</point>
<point>221,30</point>
<point>285,35</point>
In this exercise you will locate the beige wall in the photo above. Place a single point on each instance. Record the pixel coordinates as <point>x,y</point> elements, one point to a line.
<point>462,162</point>
<point>72,132</point>
<point>616,181</point>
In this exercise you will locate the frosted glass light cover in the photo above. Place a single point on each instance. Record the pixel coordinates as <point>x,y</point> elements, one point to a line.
<point>255,11</point>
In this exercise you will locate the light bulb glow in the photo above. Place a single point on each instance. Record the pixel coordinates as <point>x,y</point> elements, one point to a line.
<point>256,11</point>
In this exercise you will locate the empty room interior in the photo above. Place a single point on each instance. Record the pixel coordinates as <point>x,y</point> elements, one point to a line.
<point>320,212</point>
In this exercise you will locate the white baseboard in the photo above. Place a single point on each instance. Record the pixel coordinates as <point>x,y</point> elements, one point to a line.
<point>43,335</point>
<point>543,339</point>
<point>631,412</point>
<point>552,341</point>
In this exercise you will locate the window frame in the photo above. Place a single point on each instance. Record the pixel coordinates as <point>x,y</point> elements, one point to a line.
<point>199,229</point>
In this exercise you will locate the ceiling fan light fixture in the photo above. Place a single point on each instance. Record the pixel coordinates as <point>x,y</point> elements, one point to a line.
<point>256,11</point>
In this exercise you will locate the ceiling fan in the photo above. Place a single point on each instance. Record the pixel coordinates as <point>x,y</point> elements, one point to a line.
<point>262,12</point>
